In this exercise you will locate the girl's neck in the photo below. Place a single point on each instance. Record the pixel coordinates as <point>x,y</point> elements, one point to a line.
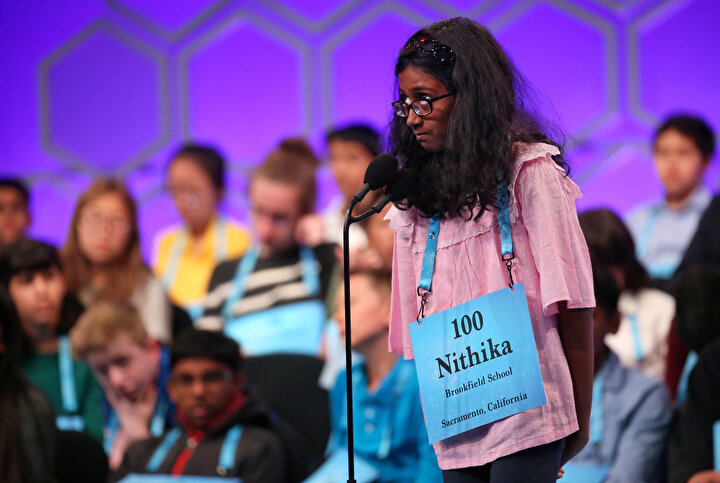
<point>197,230</point>
<point>47,346</point>
<point>378,361</point>
<point>99,275</point>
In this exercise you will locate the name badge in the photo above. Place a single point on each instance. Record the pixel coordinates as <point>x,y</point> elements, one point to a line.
<point>477,363</point>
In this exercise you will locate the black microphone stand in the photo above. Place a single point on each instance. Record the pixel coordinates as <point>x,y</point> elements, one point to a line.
<point>349,219</point>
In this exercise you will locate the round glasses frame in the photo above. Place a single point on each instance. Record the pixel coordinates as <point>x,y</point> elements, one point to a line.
<point>421,107</point>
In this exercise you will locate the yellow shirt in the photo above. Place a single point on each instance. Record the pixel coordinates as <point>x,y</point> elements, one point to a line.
<point>185,265</point>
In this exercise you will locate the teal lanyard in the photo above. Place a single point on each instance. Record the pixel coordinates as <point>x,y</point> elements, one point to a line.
<point>643,243</point>
<point>67,376</point>
<point>428,264</point>
<point>157,423</point>
<point>226,460</point>
<point>596,413</point>
<point>178,248</point>
<point>247,265</point>
<point>637,341</point>
<point>690,363</point>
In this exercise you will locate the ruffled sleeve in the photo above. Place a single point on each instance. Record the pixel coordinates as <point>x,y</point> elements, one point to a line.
<point>402,302</point>
<point>544,199</point>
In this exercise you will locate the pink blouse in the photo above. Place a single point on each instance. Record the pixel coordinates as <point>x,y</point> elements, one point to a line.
<point>551,258</point>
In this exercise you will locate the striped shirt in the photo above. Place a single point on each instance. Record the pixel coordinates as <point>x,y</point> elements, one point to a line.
<point>274,282</point>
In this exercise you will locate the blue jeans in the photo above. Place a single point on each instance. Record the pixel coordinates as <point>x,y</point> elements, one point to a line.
<point>535,465</point>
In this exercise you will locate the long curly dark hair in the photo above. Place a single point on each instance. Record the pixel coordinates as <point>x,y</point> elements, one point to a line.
<point>491,113</point>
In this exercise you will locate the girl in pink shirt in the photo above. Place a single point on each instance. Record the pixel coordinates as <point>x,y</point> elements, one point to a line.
<point>459,122</point>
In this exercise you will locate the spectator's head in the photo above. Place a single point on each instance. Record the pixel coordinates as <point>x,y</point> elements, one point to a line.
<point>369,305</point>
<point>14,213</point>
<point>282,191</point>
<point>682,148</point>
<point>32,274</point>
<point>697,311</point>
<point>606,318</point>
<point>111,337</point>
<point>206,374</point>
<point>104,236</point>
<point>350,150</point>
<point>196,182</point>
<point>611,244</point>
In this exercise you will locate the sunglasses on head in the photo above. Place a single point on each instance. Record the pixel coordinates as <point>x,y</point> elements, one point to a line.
<point>429,46</point>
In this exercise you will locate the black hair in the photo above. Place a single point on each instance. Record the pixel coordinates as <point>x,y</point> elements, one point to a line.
<point>697,311</point>
<point>195,344</point>
<point>19,186</point>
<point>692,127</point>
<point>359,133</point>
<point>27,255</point>
<point>12,385</point>
<point>208,159</point>
<point>607,292</point>
<point>491,112</point>
<point>611,243</point>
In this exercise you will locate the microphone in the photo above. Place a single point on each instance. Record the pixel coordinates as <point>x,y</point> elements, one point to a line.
<point>380,172</point>
<point>398,189</point>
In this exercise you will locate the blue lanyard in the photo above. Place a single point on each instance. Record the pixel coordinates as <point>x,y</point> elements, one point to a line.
<point>67,376</point>
<point>157,423</point>
<point>226,460</point>
<point>690,363</point>
<point>637,341</point>
<point>178,248</point>
<point>506,243</point>
<point>644,239</point>
<point>596,413</point>
<point>247,265</point>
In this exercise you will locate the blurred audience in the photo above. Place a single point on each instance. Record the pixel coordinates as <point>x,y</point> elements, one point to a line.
<point>691,443</point>
<point>631,413</point>
<point>682,149</point>
<point>223,430</point>
<point>698,320</point>
<point>350,151</point>
<point>186,256</point>
<point>391,441</point>
<point>14,210</point>
<point>704,248</point>
<point>273,298</point>
<point>32,275</point>
<point>647,313</point>
<point>102,257</point>
<point>28,436</point>
<point>132,368</point>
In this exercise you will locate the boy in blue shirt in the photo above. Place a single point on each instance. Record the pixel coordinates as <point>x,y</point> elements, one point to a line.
<point>132,368</point>
<point>631,412</point>
<point>390,434</point>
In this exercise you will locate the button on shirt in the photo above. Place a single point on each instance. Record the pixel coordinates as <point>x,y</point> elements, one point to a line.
<point>635,423</point>
<point>662,233</point>
<point>390,430</point>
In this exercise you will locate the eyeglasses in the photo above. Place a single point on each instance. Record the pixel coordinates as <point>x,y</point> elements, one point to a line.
<point>422,107</point>
<point>429,46</point>
<point>208,378</point>
<point>96,220</point>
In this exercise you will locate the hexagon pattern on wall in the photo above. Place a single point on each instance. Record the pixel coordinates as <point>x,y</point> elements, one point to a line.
<point>244,73</point>
<point>104,102</point>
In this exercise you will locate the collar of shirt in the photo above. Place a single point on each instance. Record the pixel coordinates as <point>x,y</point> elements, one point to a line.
<point>698,200</point>
<point>198,434</point>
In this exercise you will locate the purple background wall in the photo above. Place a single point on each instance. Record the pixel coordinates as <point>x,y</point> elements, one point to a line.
<point>112,86</point>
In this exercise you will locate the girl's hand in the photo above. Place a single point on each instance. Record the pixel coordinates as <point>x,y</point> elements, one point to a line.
<point>708,476</point>
<point>561,473</point>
